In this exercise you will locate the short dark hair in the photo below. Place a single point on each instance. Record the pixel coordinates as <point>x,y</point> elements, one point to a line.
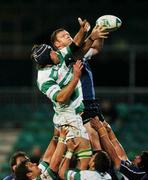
<point>41,54</point>
<point>144,160</point>
<point>14,157</point>
<point>21,170</point>
<point>54,35</point>
<point>102,161</point>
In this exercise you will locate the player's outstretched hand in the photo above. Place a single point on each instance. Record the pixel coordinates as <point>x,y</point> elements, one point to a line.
<point>84,24</point>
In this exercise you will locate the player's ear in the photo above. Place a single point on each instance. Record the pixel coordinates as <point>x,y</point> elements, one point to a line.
<point>13,167</point>
<point>29,174</point>
<point>57,44</point>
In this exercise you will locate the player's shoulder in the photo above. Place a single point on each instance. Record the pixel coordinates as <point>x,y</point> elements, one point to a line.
<point>43,166</point>
<point>10,177</point>
<point>45,73</point>
<point>89,54</point>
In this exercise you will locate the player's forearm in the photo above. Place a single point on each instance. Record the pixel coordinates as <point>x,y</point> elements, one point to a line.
<point>67,91</point>
<point>64,166</point>
<point>80,37</point>
<point>97,45</point>
<point>108,146</point>
<point>57,156</point>
<point>94,36</point>
<point>119,149</point>
<point>50,150</point>
<point>86,45</point>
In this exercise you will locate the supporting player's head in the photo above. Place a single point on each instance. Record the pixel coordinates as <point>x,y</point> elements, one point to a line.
<point>141,161</point>
<point>60,38</point>
<point>26,170</point>
<point>102,162</point>
<point>144,160</point>
<point>16,158</point>
<point>44,55</point>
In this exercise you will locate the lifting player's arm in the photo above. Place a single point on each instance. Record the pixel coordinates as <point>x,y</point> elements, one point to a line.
<point>51,147</point>
<point>118,147</point>
<point>71,146</point>
<point>106,143</point>
<point>60,149</point>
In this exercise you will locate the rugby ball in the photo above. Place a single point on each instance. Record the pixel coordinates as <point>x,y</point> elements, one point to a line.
<point>111,22</point>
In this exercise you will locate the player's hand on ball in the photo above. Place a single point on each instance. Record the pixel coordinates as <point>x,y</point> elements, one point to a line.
<point>102,32</point>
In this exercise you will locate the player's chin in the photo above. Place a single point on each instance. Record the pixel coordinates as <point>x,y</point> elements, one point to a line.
<point>69,41</point>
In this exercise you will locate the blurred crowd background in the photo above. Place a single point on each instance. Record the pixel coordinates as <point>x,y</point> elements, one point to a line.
<point>120,71</point>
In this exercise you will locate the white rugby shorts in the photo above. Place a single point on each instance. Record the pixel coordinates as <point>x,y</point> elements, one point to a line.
<point>74,123</point>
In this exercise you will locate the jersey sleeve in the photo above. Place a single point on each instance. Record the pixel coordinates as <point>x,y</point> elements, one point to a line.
<point>70,174</point>
<point>49,174</point>
<point>129,173</point>
<point>46,172</point>
<point>51,89</point>
<point>88,55</point>
<point>43,166</point>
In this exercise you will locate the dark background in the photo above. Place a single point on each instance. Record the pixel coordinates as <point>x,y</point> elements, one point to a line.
<point>120,70</point>
<point>27,22</point>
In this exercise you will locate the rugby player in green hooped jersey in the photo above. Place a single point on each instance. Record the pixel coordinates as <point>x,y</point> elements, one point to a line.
<point>99,166</point>
<point>60,83</point>
<point>26,170</point>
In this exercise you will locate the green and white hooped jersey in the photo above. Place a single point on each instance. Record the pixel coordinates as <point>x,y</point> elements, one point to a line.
<point>86,174</point>
<point>46,172</point>
<point>52,79</point>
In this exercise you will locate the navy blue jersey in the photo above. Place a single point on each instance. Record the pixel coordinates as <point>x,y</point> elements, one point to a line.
<point>87,82</point>
<point>128,172</point>
<point>91,106</point>
<point>10,177</point>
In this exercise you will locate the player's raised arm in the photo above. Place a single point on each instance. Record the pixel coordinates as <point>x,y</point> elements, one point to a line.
<point>51,147</point>
<point>60,149</point>
<point>118,147</point>
<point>98,43</point>
<point>83,31</point>
<point>71,146</point>
<point>67,91</point>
